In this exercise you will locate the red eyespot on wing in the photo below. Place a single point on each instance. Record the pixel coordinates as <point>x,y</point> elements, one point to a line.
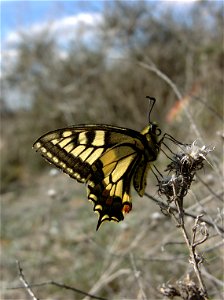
<point>126,208</point>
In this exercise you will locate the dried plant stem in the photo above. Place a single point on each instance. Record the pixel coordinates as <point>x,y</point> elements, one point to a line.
<point>174,187</point>
<point>195,259</point>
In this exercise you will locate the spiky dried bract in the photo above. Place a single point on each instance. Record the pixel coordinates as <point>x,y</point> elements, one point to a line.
<point>190,159</point>
<point>182,170</point>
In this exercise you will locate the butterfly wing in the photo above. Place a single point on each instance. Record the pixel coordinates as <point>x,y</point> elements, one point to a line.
<point>104,157</point>
<point>110,189</point>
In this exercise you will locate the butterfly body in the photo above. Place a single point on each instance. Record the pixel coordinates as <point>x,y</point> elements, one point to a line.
<point>108,159</point>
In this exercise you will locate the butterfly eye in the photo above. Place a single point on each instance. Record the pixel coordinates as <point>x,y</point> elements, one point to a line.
<point>155,129</point>
<point>158,131</point>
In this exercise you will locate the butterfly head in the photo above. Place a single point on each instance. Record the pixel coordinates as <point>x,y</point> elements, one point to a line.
<point>152,133</point>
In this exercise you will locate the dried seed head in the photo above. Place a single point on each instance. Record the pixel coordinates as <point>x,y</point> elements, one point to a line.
<point>182,168</point>
<point>189,160</point>
<point>194,155</point>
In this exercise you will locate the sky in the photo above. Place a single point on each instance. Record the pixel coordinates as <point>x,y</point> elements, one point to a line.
<point>62,18</point>
<point>17,15</point>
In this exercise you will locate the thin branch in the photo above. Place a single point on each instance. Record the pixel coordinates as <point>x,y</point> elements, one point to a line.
<point>203,201</point>
<point>195,259</point>
<point>165,206</point>
<point>107,278</point>
<point>209,189</point>
<point>205,233</point>
<point>64,286</point>
<point>211,109</point>
<point>212,278</point>
<point>137,277</point>
<point>24,282</point>
<point>61,285</point>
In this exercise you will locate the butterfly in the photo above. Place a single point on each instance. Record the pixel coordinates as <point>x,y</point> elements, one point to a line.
<point>107,159</point>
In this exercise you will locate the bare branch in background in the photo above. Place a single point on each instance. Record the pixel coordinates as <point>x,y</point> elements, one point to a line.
<point>25,283</point>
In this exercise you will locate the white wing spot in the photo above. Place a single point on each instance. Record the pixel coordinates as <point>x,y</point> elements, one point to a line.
<point>49,155</point>
<point>38,145</point>
<point>44,150</point>
<point>55,160</point>
<point>69,170</point>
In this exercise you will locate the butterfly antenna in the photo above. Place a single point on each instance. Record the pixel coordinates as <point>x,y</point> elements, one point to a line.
<point>152,101</point>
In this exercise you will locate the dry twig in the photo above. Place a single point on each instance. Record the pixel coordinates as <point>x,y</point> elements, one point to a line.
<point>61,285</point>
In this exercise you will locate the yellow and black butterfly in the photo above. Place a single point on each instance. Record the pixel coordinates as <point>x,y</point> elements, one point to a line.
<point>107,159</point>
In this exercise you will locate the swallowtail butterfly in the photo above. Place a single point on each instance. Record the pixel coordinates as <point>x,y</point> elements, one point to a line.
<point>107,159</point>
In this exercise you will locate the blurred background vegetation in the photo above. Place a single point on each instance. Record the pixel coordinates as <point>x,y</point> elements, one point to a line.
<point>135,50</point>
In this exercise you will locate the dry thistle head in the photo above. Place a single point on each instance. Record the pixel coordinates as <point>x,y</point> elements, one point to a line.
<point>190,159</point>
<point>182,170</point>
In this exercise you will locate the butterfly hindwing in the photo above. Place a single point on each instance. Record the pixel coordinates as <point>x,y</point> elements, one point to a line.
<point>110,191</point>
